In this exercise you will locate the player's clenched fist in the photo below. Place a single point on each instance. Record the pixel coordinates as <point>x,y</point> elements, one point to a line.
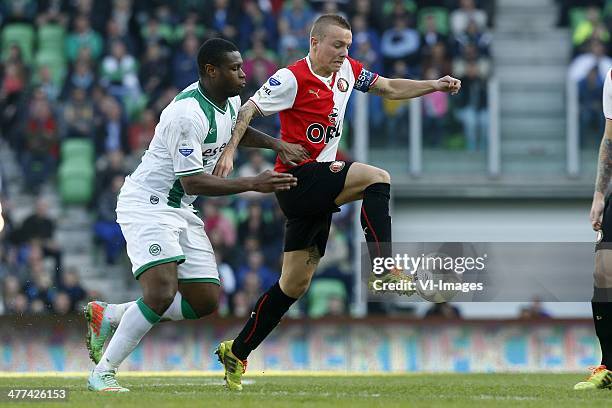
<point>448,84</point>
<point>270,181</point>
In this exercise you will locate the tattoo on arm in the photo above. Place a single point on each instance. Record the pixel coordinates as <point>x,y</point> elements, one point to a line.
<point>245,114</point>
<point>604,167</point>
<point>255,138</point>
<point>313,256</point>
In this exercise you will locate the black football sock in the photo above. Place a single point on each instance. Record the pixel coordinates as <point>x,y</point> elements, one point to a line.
<point>602,317</point>
<point>375,220</point>
<point>266,314</point>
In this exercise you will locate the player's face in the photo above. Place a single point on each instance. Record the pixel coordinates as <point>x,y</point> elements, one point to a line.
<point>231,76</point>
<point>331,51</point>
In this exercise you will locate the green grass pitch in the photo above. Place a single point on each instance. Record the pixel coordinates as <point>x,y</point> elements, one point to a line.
<point>290,390</point>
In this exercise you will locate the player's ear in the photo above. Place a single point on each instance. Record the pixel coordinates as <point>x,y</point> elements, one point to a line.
<point>210,70</point>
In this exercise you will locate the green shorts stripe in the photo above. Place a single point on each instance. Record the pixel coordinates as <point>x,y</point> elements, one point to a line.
<point>200,280</point>
<point>148,313</point>
<point>178,259</point>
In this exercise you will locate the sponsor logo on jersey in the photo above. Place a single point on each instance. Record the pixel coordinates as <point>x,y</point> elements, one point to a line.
<point>317,133</point>
<point>213,151</point>
<point>185,151</point>
<point>315,93</point>
<point>274,82</point>
<point>154,199</point>
<point>266,90</point>
<point>336,166</point>
<point>155,249</point>
<point>343,85</point>
<point>333,116</point>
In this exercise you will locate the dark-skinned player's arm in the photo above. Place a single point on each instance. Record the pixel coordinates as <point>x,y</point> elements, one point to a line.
<point>408,88</point>
<point>225,164</point>
<point>209,185</point>
<point>289,153</point>
<point>604,173</point>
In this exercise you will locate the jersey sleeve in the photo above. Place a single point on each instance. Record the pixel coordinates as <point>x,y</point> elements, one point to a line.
<point>364,79</point>
<point>184,143</point>
<point>277,94</point>
<point>607,96</point>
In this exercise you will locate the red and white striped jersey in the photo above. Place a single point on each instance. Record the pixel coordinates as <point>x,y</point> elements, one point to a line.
<point>312,107</point>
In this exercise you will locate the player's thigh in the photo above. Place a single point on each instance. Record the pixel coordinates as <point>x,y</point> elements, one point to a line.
<point>358,178</point>
<point>202,297</point>
<point>298,268</point>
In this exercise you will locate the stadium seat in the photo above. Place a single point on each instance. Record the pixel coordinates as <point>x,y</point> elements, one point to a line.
<point>51,38</point>
<point>576,16</point>
<point>320,292</point>
<point>76,180</point>
<point>440,15</point>
<point>20,34</point>
<point>55,62</point>
<point>77,150</point>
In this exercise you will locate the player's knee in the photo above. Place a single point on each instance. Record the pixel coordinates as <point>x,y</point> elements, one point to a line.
<point>381,176</point>
<point>297,288</point>
<point>159,300</point>
<point>205,307</point>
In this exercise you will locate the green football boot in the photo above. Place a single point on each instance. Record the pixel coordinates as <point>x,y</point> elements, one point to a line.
<point>396,276</point>
<point>104,381</point>
<point>600,378</point>
<point>99,329</point>
<point>234,367</point>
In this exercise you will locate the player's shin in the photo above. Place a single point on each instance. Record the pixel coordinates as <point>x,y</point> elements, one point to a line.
<point>602,318</point>
<point>376,221</point>
<point>265,316</point>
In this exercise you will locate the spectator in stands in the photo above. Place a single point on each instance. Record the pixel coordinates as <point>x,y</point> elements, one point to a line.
<point>471,55</point>
<point>61,304</point>
<point>23,11</point>
<point>119,73</point>
<point>113,133</point>
<point>141,133</point>
<point>582,64</point>
<point>443,311</point>
<point>106,228</point>
<point>83,36</point>
<point>252,21</point>
<point>190,25</point>
<point>81,76</point>
<point>255,266</point>
<point>215,220</point>
<point>115,33</point>
<point>435,108</point>
<point>592,122</point>
<point>472,107</point>
<point>40,286</point>
<point>255,165</point>
<point>222,20</point>
<point>253,225</point>
<point>109,167</point>
<point>154,72</point>
<point>535,310</point>
<point>473,37</point>
<point>11,290</point>
<point>78,116</point>
<point>461,17</point>
<point>294,26</point>
<point>71,286</point>
<point>51,12</point>
<point>401,42</point>
<point>438,59</point>
<point>184,64</point>
<point>397,112</point>
<point>14,83</point>
<point>160,33</point>
<point>42,136</point>
<point>431,36</point>
<point>591,28</point>
<point>47,84</point>
<point>259,55</point>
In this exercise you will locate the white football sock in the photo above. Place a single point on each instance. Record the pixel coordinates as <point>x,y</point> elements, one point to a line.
<point>174,311</point>
<point>137,320</point>
<point>114,312</point>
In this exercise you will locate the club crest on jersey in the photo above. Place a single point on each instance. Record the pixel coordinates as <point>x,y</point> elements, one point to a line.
<point>274,82</point>
<point>336,166</point>
<point>333,116</point>
<point>155,249</point>
<point>343,85</point>
<point>154,199</point>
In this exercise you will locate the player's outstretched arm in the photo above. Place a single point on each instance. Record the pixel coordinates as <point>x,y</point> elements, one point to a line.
<point>604,173</point>
<point>408,88</point>
<point>209,185</point>
<point>225,164</point>
<point>289,153</point>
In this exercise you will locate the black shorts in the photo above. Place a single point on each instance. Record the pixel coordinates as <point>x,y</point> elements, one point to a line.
<point>606,226</point>
<point>309,206</point>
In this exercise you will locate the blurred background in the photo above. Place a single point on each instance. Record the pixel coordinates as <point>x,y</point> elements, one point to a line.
<point>511,158</point>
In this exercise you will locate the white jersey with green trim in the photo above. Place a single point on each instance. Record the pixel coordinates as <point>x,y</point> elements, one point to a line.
<point>189,138</point>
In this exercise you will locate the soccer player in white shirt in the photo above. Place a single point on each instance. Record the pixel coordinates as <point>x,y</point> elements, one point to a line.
<point>171,255</point>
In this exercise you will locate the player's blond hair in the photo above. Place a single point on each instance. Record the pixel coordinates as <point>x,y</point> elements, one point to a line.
<point>320,25</point>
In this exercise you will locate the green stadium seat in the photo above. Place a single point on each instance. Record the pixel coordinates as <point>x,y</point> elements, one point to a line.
<point>440,15</point>
<point>20,34</point>
<point>320,292</point>
<point>76,180</point>
<point>55,62</point>
<point>51,37</point>
<point>77,150</point>
<point>576,16</point>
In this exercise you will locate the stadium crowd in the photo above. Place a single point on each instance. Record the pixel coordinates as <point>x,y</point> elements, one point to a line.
<point>102,71</point>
